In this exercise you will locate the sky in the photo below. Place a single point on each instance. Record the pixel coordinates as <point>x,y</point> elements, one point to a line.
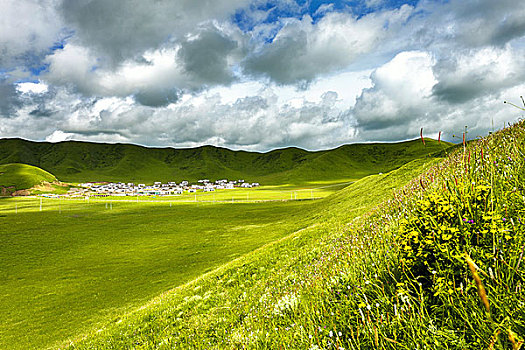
<point>258,74</point>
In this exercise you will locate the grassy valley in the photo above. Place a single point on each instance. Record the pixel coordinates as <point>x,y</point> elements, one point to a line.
<point>75,264</point>
<point>427,254</point>
<point>71,265</point>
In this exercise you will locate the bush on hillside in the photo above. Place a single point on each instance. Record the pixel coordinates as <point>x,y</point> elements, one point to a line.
<point>461,246</point>
<point>445,226</point>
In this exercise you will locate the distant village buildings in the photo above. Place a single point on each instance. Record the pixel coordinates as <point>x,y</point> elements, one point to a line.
<point>102,189</point>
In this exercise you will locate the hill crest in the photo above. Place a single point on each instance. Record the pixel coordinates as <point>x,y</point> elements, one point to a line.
<point>78,161</point>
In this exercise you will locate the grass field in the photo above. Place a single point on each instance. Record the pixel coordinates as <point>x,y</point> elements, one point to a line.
<point>215,303</point>
<point>429,256</point>
<point>179,271</point>
<point>75,264</point>
<point>71,264</point>
<point>64,273</point>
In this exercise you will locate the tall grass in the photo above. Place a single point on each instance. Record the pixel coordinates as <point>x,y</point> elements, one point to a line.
<point>400,277</point>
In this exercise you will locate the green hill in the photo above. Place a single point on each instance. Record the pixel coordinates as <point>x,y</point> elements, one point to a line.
<point>426,256</point>
<point>75,161</point>
<point>16,176</point>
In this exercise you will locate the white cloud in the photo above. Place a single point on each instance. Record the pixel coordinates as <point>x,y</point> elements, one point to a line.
<point>32,88</point>
<point>59,136</point>
<point>158,78</point>
<point>121,30</point>
<point>28,28</point>
<point>408,94</point>
<point>402,90</point>
<point>183,73</point>
<point>304,50</point>
<point>466,75</point>
<point>71,66</point>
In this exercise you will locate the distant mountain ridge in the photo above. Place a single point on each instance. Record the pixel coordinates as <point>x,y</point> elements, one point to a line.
<point>76,161</point>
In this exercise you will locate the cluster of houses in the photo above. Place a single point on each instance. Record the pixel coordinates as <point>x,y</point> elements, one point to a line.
<point>157,189</point>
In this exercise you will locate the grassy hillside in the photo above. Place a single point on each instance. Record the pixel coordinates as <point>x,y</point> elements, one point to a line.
<point>434,262</point>
<point>219,307</point>
<point>22,176</point>
<point>74,161</point>
<point>67,274</point>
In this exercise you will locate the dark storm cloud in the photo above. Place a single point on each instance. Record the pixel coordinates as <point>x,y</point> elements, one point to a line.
<point>157,97</point>
<point>9,99</point>
<point>122,30</point>
<point>205,57</point>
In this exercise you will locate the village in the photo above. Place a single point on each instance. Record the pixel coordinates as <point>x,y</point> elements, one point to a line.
<point>106,189</point>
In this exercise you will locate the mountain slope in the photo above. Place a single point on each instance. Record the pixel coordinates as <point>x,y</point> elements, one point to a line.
<point>16,176</point>
<point>76,161</point>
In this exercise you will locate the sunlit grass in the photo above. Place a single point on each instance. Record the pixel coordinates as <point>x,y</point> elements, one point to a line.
<point>75,264</point>
<point>217,274</point>
<point>383,264</point>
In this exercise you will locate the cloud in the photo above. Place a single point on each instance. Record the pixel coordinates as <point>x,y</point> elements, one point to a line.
<point>304,50</point>
<point>28,29</point>
<point>487,22</point>
<point>71,66</point>
<point>205,57</point>
<point>252,122</point>
<point>260,121</point>
<point>159,77</point>
<point>453,25</point>
<point>402,90</point>
<point>467,75</point>
<point>120,30</point>
<point>155,81</point>
<point>257,74</point>
<point>59,136</point>
<point>413,90</point>
<point>32,88</point>
<point>9,101</point>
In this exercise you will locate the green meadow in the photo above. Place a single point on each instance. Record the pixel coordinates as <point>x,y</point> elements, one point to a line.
<point>74,264</point>
<point>74,161</point>
<point>205,310</point>
<point>427,254</point>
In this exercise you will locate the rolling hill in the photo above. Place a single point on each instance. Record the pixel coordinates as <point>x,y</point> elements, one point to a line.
<point>15,176</point>
<point>75,161</point>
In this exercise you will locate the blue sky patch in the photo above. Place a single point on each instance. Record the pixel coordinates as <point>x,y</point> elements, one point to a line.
<point>276,10</point>
<point>37,70</point>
